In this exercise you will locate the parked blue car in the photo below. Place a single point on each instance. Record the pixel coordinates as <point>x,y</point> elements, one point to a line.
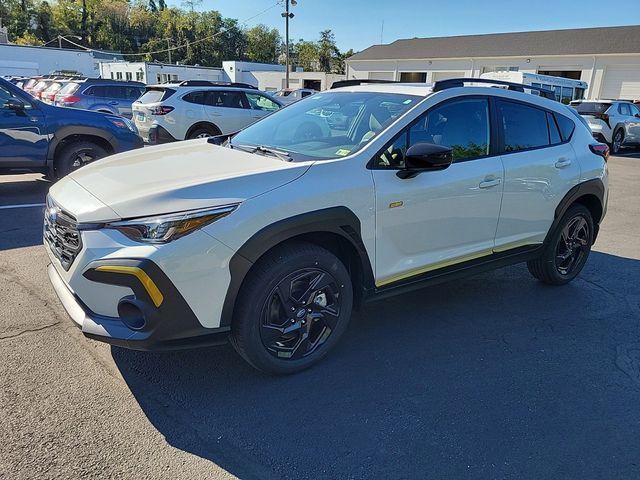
<point>55,140</point>
<point>100,95</point>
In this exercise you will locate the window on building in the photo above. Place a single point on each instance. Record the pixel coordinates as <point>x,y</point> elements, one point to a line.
<point>140,76</point>
<point>572,74</point>
<point>129,76</point>
<point>524,127</point>
<point>500,69</point>
<point>112,76</point>
<point>158,78</point>
<point>118,75</point>
<point>413,77</point>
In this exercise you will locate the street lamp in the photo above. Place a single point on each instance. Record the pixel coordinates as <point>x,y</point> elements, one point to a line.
<point>287,15</point>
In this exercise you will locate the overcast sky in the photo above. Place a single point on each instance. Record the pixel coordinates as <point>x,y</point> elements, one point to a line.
<point>358,23</point>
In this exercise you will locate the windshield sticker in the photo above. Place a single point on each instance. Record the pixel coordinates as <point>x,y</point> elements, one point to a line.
<point>343,152</point>
<point>408,101</point>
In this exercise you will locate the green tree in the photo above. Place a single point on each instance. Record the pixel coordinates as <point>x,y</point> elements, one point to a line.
<point>327,51</point>
<point>263,44</point>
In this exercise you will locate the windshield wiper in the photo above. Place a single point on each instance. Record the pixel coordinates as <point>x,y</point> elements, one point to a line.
<point>284,156</point>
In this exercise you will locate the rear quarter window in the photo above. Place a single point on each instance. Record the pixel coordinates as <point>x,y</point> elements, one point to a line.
<point>566,126</point>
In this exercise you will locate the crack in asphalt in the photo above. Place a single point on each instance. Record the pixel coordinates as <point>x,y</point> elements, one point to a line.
<point>28,330</point>
<point>597,285</point>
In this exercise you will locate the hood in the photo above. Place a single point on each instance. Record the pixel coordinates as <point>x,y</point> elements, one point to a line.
<point>178,176</point>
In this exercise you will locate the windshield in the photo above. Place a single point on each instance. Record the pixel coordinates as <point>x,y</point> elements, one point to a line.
<point>327,125</point>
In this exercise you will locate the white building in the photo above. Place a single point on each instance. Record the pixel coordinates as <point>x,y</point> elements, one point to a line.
<point>245,72</point>
<point>29,60</point>
<point>273,81</point>
<point>607,58</point>
<point>153,72</point>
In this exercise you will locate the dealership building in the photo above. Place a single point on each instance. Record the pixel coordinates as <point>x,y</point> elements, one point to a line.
<point>607,58</point>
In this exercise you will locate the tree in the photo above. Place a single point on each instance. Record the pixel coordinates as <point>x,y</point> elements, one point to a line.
<point>327,50</point>
<point>263,44</point>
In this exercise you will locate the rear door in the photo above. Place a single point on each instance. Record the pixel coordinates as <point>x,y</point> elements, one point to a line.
<point>23,138</point>
<point>540,168</point>
<point>227,109</point>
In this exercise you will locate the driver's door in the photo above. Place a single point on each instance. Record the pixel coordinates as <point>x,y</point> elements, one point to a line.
<point>23,139</point>
<point>438,218</point>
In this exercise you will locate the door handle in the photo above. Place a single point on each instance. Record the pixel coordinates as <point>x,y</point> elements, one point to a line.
<point>490,182</point>
<point>114,102</point>
<point>563,162</point>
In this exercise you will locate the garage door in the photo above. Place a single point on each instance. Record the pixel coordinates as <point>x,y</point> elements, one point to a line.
<point>381,75</point>
<point>621,82</point>
<point>435,76</point>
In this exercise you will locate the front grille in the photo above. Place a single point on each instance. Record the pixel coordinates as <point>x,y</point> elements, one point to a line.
<point>61,234</point>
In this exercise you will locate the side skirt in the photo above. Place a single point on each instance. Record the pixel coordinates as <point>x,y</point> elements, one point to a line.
<point>452,272</point>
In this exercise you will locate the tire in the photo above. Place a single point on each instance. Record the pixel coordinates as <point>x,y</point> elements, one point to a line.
<point>616,141</point>
<point>203,131</point>
<point>261,316</point>
<point>550,268</point>
<point>77,154</point>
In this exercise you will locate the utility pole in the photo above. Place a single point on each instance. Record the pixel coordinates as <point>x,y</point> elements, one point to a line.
<point>287,15</point>
<point>59,41</point>
<point>169,48</point>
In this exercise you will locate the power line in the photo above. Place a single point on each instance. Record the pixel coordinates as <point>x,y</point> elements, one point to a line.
<point>177,47</point>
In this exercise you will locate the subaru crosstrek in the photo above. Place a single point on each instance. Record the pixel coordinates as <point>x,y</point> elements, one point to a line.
<point>35,136</point>
<point>272,236</point>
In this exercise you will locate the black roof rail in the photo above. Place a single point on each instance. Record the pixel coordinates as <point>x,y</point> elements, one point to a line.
<point>517,87</point>
<point>352,83</point>
<point>210,83</point>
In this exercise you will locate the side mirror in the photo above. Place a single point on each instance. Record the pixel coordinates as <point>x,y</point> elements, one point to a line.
<point>14,104</point>
<point>423,157</point>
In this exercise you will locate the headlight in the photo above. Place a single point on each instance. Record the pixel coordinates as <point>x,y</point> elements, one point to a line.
<point>122,122</point>
<point>165,228</point>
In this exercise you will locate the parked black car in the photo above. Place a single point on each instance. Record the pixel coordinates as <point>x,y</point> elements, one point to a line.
<point>56,140</point>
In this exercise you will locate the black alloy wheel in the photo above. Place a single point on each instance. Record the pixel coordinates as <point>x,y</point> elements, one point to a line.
<point>573,246</point>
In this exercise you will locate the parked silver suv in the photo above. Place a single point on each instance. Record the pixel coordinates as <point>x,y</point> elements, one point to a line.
<point>616,122</point>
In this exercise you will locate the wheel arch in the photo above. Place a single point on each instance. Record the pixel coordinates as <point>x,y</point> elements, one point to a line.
<point>200,124</point>
<point>77,133</point>
<point>336,229</point>
<point>591,194</point>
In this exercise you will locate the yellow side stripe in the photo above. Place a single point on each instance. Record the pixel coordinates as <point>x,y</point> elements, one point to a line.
<point>145,280</point>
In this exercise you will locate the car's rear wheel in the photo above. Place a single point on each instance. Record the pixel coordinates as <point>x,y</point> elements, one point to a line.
<point>618,139</point>
<point>568,248</point>
<point>77,154</point>
<point>203,131</point>
<point>293,308</point>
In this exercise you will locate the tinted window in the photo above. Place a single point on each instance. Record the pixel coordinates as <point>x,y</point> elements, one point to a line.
<point>523,126</point>
<point>224,99</point>
<point>554,133</point>
<point>566,126</point>
<point>624,109</point>
<point>260,102</point>
<point>4,95</point>
<point>462,125</point>
<point>132,93</point>
<point>306,94</point>
<point>393,155</point>
<point>634,110</point>
<point>195,97</point>
<point>97,91</point>
<point>589,108</point>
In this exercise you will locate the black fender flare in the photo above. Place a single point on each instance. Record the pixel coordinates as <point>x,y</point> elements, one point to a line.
<point>336,220</point>
<point>78,130</point>
<point>593,187</point>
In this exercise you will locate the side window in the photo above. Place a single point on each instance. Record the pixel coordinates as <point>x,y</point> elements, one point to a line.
<point>114,91</point>
<point>224,99</point>
<point>462,125</point>
<point>4,96</point>
<point>195,97</point>
<point>624,109</point>
<point>566,126</point>
<point>260,102</point>
<point>634,110</point>
<point>305,94</point>
<point>554,133</point>
<point>524,127</point>
<point>132,93</point>
<point>99,91</point>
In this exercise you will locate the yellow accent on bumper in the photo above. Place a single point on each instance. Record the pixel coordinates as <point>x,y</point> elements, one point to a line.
<point>145,280</point>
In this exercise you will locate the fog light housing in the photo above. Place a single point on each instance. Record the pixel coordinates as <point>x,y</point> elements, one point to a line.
<point>131,312</point>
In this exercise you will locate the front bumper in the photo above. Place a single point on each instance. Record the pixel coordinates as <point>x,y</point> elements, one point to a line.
<point>169,326</point>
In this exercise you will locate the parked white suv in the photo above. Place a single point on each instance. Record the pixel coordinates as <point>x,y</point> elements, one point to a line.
<point>616,122</point>
<point>271,237</point>
<point>198,109</point>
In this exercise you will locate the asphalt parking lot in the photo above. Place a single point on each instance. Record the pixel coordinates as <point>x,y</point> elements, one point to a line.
<point>495,376</point>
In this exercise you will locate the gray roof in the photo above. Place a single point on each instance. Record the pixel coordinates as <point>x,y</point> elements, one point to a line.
<point>580,41</point>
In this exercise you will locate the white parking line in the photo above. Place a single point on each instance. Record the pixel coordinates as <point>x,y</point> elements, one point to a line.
<point>26,205</point>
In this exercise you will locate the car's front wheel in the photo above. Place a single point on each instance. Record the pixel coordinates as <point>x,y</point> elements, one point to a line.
<point>77,154</point>
<point>293,308</point>
<point>568,248</point>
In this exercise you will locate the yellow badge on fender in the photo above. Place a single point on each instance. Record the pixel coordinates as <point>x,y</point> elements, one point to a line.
<point>396,204</point>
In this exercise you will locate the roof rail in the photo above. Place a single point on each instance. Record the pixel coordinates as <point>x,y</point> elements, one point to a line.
<point>518,87</point>
<point>210,83</point>
<point>352,83</point>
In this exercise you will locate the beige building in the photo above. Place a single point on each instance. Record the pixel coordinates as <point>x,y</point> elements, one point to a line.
<point>607,58</point>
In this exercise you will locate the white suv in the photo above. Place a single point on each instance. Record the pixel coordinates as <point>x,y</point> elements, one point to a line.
<point>271,237</point>
<point>616,122</point>
<point>198,109</point>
